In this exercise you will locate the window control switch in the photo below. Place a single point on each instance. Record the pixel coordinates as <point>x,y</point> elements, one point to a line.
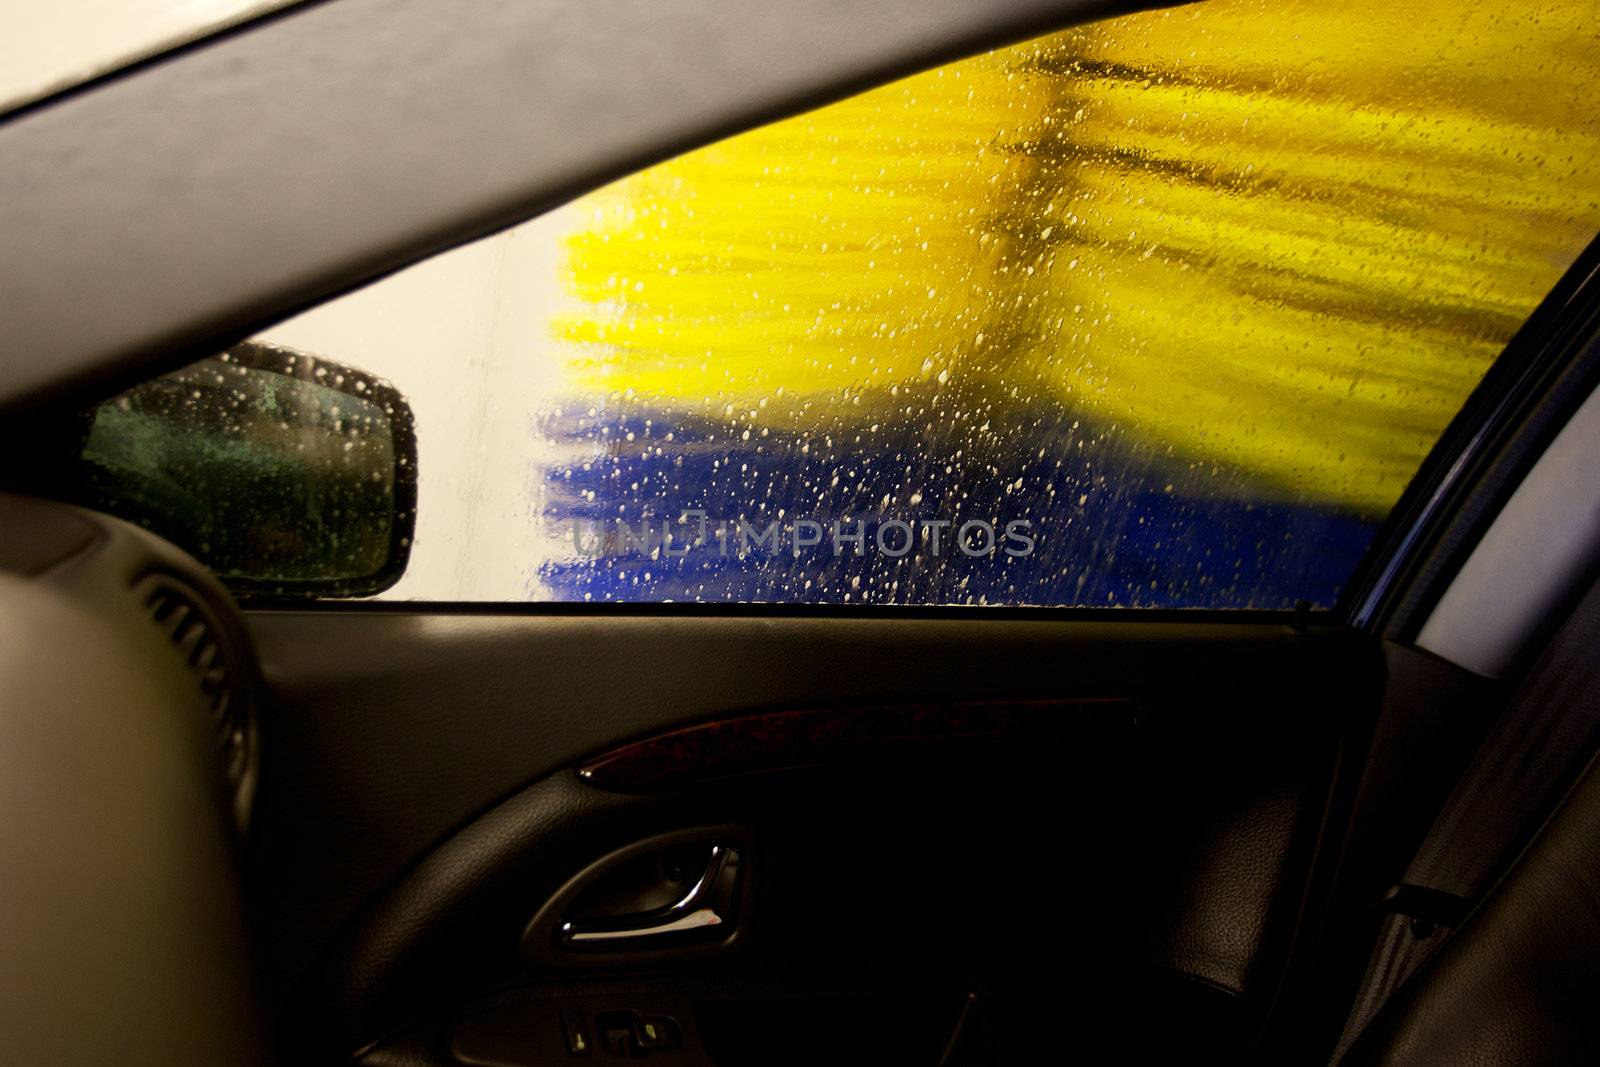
<point>657,1032</point>
<point>579,1040</point>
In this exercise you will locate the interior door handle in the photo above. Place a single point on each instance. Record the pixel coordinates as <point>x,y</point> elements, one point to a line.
<point>709,902</point>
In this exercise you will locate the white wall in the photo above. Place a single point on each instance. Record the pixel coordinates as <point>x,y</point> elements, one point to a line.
<point>465,337</point>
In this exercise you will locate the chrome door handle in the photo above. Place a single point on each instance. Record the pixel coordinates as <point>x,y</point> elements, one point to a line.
<point>709,902</point>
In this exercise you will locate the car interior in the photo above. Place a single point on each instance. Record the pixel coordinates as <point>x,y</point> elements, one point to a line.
<point>255,812</point>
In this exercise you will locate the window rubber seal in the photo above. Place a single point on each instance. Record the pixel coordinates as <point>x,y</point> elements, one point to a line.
<point>1547,369</point>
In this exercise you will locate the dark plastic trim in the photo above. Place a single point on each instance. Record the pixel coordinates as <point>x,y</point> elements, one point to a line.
<point>746,609</point>
<point>183,205</point>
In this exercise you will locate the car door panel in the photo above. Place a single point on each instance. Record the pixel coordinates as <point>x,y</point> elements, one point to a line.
<point>1127,837</point>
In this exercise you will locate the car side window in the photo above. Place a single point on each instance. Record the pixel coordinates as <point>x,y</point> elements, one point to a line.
<point>1164,311</point>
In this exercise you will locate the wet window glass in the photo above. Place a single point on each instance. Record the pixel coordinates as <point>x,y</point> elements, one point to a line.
<point>1164,311</point>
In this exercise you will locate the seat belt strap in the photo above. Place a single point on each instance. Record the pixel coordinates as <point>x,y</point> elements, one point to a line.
<point>1531,757</point>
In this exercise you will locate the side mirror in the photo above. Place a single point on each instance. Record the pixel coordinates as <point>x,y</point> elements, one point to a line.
<point>286,474</point>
